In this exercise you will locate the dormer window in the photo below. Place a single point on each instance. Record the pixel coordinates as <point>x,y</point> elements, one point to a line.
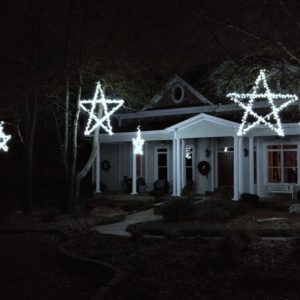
<point>177,93</point>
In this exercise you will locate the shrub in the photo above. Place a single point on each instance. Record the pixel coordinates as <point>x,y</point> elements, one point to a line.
<point>219,210</point>
<point>250,199</point>
<point>131,205</point>
<point>178,209</point>
<point>49,215</point>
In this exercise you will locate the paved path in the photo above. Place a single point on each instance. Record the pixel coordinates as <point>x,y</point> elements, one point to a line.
<point>120,227</point>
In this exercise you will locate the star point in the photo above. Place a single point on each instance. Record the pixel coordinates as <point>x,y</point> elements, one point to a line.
<point>4,138</point>
<point>265,120</point>
<point>93,120</point>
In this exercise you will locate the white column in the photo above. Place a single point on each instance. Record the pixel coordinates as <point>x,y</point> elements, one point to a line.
<point>182,159</point>
<point>98,190</point>
<point>133,173</point>
<point>258,167</point>
<point>216,170</point>
<point>251,165</point>
<point>146,163</point>
<point>178,171</point>
<point>212,158</point>
<point>174,158</point>
<point>241,165</point>
<point>236,195</point>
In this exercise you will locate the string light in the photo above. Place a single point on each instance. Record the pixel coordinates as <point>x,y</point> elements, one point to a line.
<point>265,120</point>
<point>4,138</point>
<point>188,153</point>
<point>138,143</point>
<point>90,105</point>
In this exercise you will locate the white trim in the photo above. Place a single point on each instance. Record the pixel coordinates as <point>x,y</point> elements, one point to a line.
<point>182,162</point>
<point>174,181</point>
<point>241,165</point>
<point>215,108</point>
<point>251,165</point>
<point>196,119</point>
<point>212,160</point>
<point>174,87</point>
<point>236,194</point>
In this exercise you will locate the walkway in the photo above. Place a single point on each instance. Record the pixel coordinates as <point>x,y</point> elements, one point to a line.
<point>120,227</point>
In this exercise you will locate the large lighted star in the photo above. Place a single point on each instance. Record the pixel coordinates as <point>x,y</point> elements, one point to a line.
<point>90,105</point>
<point>4,138</point>
<point>244,127</point>
<point>138,142</point>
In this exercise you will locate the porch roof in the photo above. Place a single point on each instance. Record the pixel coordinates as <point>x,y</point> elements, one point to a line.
<point>204,125</point>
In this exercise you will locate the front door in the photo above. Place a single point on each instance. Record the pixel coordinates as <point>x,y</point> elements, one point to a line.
<point>225,168</point>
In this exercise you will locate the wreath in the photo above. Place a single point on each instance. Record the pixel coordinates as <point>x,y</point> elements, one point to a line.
<point>203,167</point>
<point>105,165</point>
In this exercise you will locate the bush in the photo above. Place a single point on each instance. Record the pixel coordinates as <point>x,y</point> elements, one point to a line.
<point>178,209</point>
<point>135,205</point>
<point>49,215</point>
<point>250,199</point>
<point>219,210</point>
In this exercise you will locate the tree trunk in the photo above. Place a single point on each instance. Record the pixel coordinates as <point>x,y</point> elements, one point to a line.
<point>83,172</point>
<point>74,145</point>
<point>29,162</point>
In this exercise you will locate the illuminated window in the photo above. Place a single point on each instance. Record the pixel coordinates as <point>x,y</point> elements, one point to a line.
<point>282,163</point>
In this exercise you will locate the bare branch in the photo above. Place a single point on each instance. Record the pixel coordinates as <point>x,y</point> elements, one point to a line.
<point>251,34</point>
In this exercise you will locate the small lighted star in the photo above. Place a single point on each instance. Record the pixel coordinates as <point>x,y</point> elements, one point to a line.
<point>4,138</point>
<point>244,127</point>
<point>138,143</point>
<point>90,105</point>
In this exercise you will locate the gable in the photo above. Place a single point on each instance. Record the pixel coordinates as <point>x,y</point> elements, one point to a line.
<point>177,93</point>
<point>204,125</point>
<point>205,128</point>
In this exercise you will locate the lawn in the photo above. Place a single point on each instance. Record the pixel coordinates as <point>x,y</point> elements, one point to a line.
<point>197,268</point>
<point>32,269</point>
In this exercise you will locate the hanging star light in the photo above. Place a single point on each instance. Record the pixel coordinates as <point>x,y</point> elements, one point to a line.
<point>90,105</point>
<point>4,138</point>
<point>138,143</point>
<point>244,127</point>
<point>188,153</point>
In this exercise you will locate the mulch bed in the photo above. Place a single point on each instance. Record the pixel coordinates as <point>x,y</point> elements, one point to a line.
<point>197,268</point>
<point>31,268</point>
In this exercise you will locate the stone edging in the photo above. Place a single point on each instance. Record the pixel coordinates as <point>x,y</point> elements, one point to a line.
<point>117,274</point>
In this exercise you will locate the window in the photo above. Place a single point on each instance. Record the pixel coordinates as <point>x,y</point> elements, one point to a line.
<point>282,164</point>
<point>188,164</point>
<point>162,163</point>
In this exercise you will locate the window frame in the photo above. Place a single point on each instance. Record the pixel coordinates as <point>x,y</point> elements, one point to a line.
<point>282,166</point>
<point>156,166</point>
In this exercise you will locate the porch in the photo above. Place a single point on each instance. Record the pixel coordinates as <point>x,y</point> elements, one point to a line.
<point>175,154</point>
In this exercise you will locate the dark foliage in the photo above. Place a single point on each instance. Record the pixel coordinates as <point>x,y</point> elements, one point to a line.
<point>178,209</point>
<point>219,210</point>
<point>49,215</point>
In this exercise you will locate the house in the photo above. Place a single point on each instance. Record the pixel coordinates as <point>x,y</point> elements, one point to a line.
<point>186,133</point>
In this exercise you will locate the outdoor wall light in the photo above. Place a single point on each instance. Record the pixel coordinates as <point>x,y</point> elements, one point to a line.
<point>207,153</point>
<point>246,152</point>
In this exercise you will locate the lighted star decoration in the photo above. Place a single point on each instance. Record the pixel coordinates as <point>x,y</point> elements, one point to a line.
<point>138,143</point>
<point>90,107</point>
<point>4,138</point>
<point>188,153</point>
<point>265,120</point>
